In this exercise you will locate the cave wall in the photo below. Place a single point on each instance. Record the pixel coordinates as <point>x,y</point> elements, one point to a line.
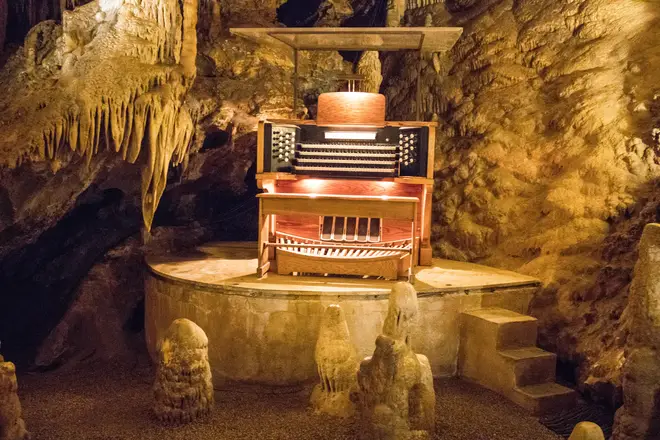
<point>546,159</point>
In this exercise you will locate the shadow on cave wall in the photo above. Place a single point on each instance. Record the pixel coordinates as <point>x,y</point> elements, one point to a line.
<point>307,13</point>
<point>39,280</point>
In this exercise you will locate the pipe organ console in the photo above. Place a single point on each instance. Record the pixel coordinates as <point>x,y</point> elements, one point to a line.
<point>344,199</point>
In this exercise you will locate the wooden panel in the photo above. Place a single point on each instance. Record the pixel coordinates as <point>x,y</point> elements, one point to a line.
<point>387,123</point>
<point>355,187</point>
<point>289,262</point>
<point>430,164</point>
<point>264,232</point>
<point>351,108</point>
<point>349,187</point>
<point>401,208</point>
<point>308,227</point>
<point>260,147</point>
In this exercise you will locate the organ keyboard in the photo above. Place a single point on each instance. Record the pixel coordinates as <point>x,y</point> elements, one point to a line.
<point>344,200</point>
<point>385,152</point>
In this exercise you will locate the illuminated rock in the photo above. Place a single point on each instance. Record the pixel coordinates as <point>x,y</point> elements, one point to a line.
<point>12,426</point>
<point>639,417</point>
<point>587,431</point>
<point>337,362</point>
<point>183,390</point>
<point>397,399</point>
<point>370,68</point>
<point>117,75</point>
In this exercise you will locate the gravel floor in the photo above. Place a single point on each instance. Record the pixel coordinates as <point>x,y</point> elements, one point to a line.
<point>95,403</point>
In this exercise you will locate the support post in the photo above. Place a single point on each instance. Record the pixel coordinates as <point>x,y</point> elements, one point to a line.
<point>418,95</point>
<point>295,82</point>
<point>418,99</point>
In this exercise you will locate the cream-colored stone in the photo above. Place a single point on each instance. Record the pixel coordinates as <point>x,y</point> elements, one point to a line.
<point>337,363</point>
<point>530,88</point>
<point>118,73</point>
<point>183,389</point>
<point>639,417</point>
<point>498,350</point>
<point>12,425</point>
<point>397,399</point>
<point>370,68</point>
<point>266,330</point>
<point>587,431</point>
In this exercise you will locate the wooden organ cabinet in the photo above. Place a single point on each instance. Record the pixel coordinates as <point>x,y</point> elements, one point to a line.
<point>345,198</point>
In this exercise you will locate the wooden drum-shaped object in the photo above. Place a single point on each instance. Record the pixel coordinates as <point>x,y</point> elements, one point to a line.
<point>351,108</point>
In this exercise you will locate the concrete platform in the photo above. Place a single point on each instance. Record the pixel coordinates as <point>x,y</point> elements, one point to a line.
<point>264,331</point>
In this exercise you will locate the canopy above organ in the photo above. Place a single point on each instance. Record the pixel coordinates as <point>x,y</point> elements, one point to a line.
<point>426,39</point>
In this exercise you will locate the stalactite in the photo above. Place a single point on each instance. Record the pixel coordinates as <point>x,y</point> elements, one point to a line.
<point>123,89</point>
<point>414,4</point>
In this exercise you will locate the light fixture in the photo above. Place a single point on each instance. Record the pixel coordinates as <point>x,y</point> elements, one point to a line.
<point>353,135</point>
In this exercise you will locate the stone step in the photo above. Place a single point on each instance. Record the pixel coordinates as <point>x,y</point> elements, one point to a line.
<point>531,365</point>
<point>501,328</point>
<point>544,398</point>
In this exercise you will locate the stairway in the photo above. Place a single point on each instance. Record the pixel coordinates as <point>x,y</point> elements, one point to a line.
<point>498,351</point>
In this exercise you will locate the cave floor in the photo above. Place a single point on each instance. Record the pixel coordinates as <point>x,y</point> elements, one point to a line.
<point>97,403</point>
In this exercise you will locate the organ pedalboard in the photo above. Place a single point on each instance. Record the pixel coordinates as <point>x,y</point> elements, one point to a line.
<point>344,200</point>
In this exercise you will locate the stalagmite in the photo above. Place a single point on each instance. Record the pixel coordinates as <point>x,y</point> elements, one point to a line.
<point>12,426</point>
<point>337,362</point>
<point>587,431</point>
<point>397,399</point>
<point>395,11</point>
<point>183,390</point>
<point>639,417</point>
<point>370,68</point>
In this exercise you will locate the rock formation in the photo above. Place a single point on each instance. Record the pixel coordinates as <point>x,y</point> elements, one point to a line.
<point>639,417</point>
<point>112,77</point>
<point>337,362</point>
<point>587,431</point>
<point>545,148</point>
<point>397,399</point>
<point>369,67</point>
<point>12,426</point>
<point>183,389</point>
<point>395,11</point>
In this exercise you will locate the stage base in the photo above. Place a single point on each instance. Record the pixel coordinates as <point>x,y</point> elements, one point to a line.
<point>263,331</point>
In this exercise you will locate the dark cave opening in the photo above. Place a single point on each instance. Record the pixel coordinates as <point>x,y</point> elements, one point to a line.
<point>215,138</point>
<point>299,13</point>
<point>305,13</point>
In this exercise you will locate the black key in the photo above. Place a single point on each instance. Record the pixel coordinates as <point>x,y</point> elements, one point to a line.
<point>326,232</point>
<point>374,229</point>
<point>351,223</point>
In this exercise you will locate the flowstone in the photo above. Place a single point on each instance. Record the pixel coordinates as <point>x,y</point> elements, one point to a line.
<point>12,426</point>
<point>112,77</point>
<point>397,400</point>
<point>337,362</point>
<point>587,431</point>
<point>639,417</point>
<point>183,389</point>
<point>370,68</point>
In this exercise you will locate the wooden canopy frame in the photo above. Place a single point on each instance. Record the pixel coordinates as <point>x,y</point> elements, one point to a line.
<point>421,39</point>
